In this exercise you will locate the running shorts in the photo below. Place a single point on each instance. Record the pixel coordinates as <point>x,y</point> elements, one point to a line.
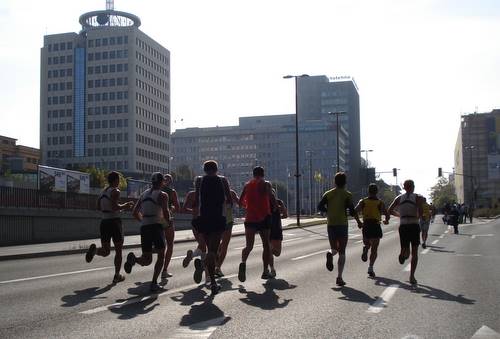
<point>337,231</point>
<point>152,235</point>
<point>111,229</point>
<point>372,230</point>
<point>409,234</point>
<point>260,225</point>
<point>276,227</point>
<point>210,224</point>
<point>424,225</point>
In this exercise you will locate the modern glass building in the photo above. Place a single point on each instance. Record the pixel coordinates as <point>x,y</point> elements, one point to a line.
<point>105,97</point>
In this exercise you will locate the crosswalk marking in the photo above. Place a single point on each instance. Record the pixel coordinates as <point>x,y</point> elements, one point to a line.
<point>384,298</point>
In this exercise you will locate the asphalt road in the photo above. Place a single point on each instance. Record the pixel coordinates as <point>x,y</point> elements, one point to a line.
<point>457,297</point>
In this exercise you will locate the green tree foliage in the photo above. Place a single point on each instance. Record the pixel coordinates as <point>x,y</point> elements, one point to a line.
<point>385,192</point>
<point>442,193</point>
<point>183,172</point>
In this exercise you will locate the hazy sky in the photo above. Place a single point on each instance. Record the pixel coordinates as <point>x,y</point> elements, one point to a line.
<point>418,64</point>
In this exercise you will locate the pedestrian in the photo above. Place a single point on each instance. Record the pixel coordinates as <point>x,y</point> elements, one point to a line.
<point>226,235</point>
<point>111,224</point>
<point>471,213</point>
<point>276,234</point>
<point>335,202</point>
<point>257,199</point>
<point>425,221</point>
<point>433,211</point>
<point>212,195</point>
<point>150,210</point>
<point>173,205</point>
<point>372,209</point>
<point>453,217</point>
<point>409,209</point>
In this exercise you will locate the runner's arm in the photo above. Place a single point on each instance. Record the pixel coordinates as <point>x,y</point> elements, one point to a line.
<point>175,201</point>
<point>272,198</point>
<point>393,206</point>
<point>164,206</point>
<point>242,197</point>
<point>323,204</point>
<point>227,191</point>
<point>385,213</point>
<point>115,197</point>
<point>359,206</point>
<point>188,203</point>
<point>283,210</point>
<point>353,212</point>
<point>136,212</point>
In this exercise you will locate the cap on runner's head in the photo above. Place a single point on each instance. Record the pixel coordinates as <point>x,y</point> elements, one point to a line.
<point>156,178</point>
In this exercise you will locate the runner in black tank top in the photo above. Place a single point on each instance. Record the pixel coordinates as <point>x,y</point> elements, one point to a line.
<point>173,206</point>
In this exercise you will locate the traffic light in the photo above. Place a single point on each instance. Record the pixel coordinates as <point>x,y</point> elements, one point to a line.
<point>440,172</point>
<point>394,172</point>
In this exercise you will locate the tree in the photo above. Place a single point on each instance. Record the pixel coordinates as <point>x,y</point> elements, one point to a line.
<point>183,172</point>
<point>386,192</point>
<point>443,193</point>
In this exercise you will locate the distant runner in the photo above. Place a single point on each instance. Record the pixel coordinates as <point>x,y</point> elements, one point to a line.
<point>212,195</point>
<point>226,236</point>
<point>257,198</point>
<point>433,212</point>
<point>425,219</point>
<point>173,205</point>
<point>150,210</point>
<point>335,202</point>
<point>372,209</point>
<point>111,224</point>
<point>276,236</point>
<point>409,208</point>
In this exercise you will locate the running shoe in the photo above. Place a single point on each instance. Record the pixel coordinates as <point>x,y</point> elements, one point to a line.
<point>424,245</point>
<point>91,253</point>
<point>266,275</point>
<point>401,259</point>
<point>215,289</point>
<point>340,282</point>
<point>154,287</point>
<point>413,281</point>
<point>118,278</point>
<point>198,270</point>
<point>242,272</point>
<point>329,261</point>
<point>187,259</point>
<point>218,273</point>
<point>129,263</point>
<point>273,273</point>
<point>371,272</point>
<point>364,256</point>
<point>165,274</point>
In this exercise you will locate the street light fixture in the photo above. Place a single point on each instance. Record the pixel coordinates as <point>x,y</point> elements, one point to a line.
<point>366,155</point>
<point>338,130</point>
<point>297,173</point>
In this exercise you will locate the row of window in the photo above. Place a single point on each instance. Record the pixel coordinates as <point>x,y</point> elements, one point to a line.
<point>60,73</point>
<point>151,116</point>
<point>151,129</point>
<point>117,54</point>
<point>107,151</point>
<point>59,127</point>
<point>112,137</point>
<point>147,61</point>
<point>60,86</point>
<point>61,46</point>
<point>112,165</point>
<point>150,102</point>
<point>150,89</point>
<point>60,153</point>
<point>107,96</point>
<point>107,110</point>
<point>150,155</point>
<point>148,168</point>
<point>151,142</point>
<point>107,82</point>
<point>114,40</point>
<point>62,140</point>
<point>118,123</point>
<point>62,59</point>
<point>151,76</point>
<point>107,69</point>
<point>151,50</point>
<point>60,100</point>
<point>60,113</point>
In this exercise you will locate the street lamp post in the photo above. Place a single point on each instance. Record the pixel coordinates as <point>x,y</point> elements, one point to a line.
<point>338,131</point>
<point>297,172</point>
<point>366,155</point>
<point>309,154</point>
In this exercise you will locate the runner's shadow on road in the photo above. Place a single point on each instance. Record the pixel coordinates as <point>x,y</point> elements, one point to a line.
<point>441,251</point>
<point>82,296</point>
<point>426,291</point>
<point>351,294</point>
<point>268,300</point>
<point>187,298</point>
<point>204,312</point>
<point>141,307</point>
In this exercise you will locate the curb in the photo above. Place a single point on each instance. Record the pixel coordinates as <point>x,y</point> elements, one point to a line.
<point>84,250</point>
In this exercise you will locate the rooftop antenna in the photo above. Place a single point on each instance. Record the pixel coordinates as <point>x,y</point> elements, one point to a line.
<point>110,5</point>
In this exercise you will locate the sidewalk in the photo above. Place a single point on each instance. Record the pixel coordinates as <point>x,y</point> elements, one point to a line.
<point>131,241</point>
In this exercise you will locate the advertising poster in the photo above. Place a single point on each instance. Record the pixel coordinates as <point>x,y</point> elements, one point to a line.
<point>60,180</point>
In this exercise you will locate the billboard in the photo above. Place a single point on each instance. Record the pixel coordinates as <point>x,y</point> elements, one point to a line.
<point>51,179</point>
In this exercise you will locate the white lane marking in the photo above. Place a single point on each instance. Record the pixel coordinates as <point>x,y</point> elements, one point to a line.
<point>288,240</point>
<point>441,236</point>
<point>202,329</point>
<point>468,255</point>
<point>260,245</point>
<point>352,236</point>
<point>56,275</point>
<point>384,298</point>
<point>141,299</point>
<point>179,257</point>
<point>435,242</point>
<point>309,255</point>
<point>288,234</point>
<point>425,251</point>
<point>481,235</point>
<point>357,242</point>
<point>485,333</point>
<point>389,232</point>
<point>407,268</point>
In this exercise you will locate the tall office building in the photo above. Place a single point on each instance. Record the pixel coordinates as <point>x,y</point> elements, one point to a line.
<point>105,96</point>
<point>477,160</point>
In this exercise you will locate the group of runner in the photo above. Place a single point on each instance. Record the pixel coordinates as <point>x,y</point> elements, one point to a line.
<point>211,207</point>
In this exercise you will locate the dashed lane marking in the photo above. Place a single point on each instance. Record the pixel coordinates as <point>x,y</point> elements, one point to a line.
<point>260,245</point>
<point>309,255</point>
<point>202,329</point>
<point>435,242</point>
<point>425,251</point>
<point>407,268</point>
<point>357,242</point>
<point>56,275</point>
<point>481,235</point>
<point>383,300</point>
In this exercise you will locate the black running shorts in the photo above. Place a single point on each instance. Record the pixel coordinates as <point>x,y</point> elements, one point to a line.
<point>372,230</point>
<point>152,235</point>
<point>409,234</point>
<point>210,224</point>
<point>337,231</point>
<point>276,227</point>
<point>260,225</point>
<point>111,229</point>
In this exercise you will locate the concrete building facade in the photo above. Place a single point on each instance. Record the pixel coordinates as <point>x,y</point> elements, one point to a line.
<point>477,160</point>
<point>105,96</point>
<point>17,158</point>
